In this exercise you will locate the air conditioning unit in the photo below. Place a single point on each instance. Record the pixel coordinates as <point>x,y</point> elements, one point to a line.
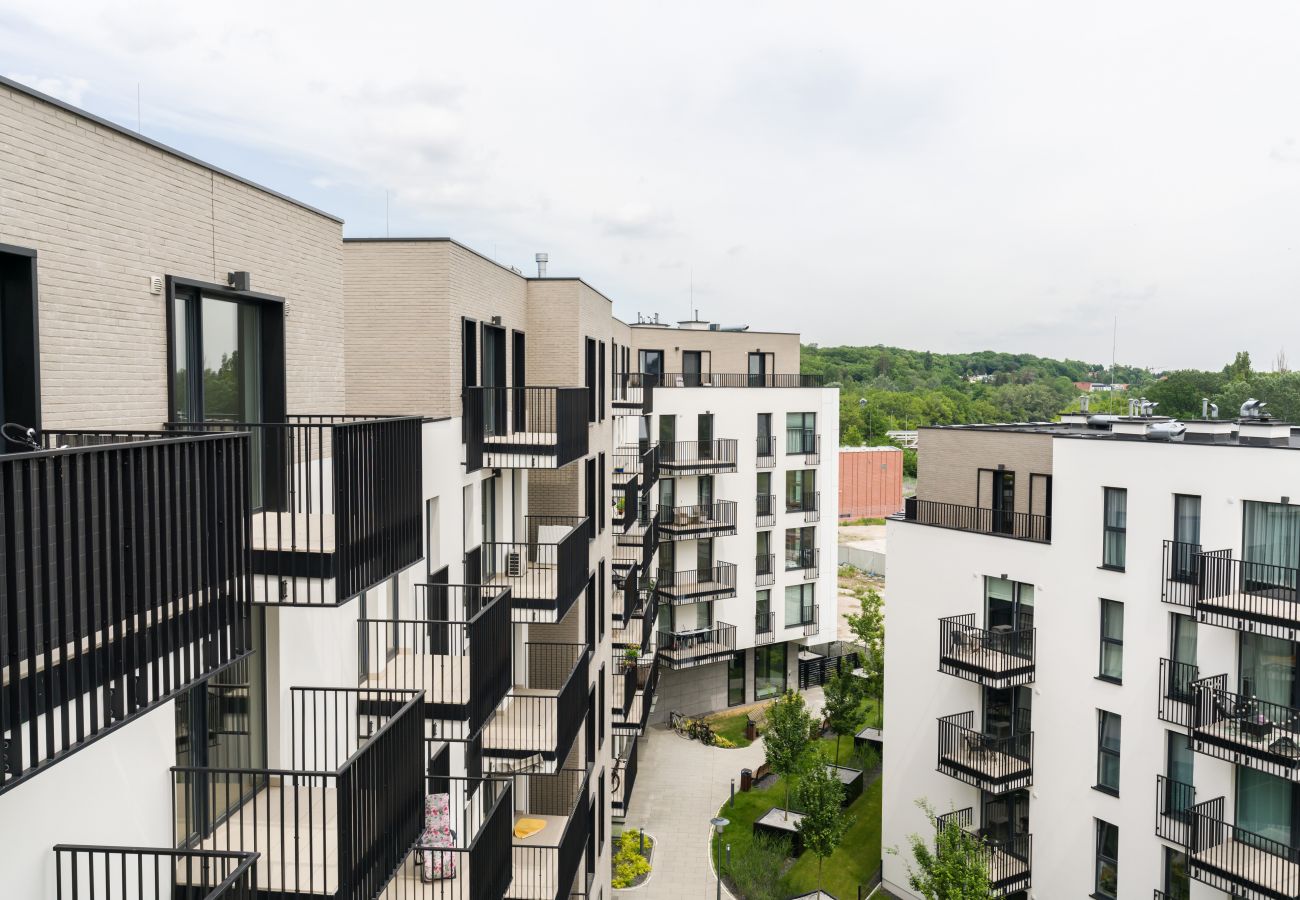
<point>514,565</point>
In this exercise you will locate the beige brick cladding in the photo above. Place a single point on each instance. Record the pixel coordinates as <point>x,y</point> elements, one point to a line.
<point>949,460</point>
<point>728,351</point>
<point>106,212</point>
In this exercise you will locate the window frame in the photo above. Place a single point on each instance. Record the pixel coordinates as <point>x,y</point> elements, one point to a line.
<point>1104,753</point>
<point>1107,607</point>
<point>1100,860</point>
<point>1107,529</point>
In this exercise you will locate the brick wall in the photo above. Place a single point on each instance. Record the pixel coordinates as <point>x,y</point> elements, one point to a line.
<point>728,350</point>
<point>949,460</point>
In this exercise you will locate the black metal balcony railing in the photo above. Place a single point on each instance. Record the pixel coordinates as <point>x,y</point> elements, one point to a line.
<point>697,457</point>
<point>637,547</point>
<point>737,380</point>
<point>624,777</point>
<point>807,620</point>
<point>678,523</point>
<point>524,427</point>
<point>1181,568</point>
<point>765,452</point>
<point>805,442</point>
<point>809,503</point>
<point>765,569</point>
<point>696,647</point>
<point>642,678</point>
<point>543,715</point>
<point>546,864</point>
<point>1009,861</point>
<point>633,394</point>
<point>474,860</point>
<point>764,510</point>
<point>124,580</point>
<point>1176,694</point>
<point>1247,595</point>
<point>995,658</point>
<point>764,627</point>
<point>341,818</point>
<point>638,632</point>
<point>546,573</point>
<point>979,520</point>
<point>335,497</point>
<point>1231,859</point>
<point>806,559</point>
<point>1245,730</point>
<point>1174,801</point>
<point>989,762</point>
<point>458,655</point>
<point>716,582</point>
<point>123,873</point>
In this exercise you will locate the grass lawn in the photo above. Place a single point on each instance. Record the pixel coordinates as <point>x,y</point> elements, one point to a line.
<point>731,727</point>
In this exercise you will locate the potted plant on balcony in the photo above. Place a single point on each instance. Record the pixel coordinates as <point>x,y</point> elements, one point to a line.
<point>631,655</point>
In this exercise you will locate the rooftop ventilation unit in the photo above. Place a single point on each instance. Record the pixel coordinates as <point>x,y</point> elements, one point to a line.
<point>1165,431</point>
<point>1253,409</point>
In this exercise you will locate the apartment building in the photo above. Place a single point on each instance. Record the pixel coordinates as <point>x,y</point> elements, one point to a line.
<point>1112,701</point>
<point>315,567</point>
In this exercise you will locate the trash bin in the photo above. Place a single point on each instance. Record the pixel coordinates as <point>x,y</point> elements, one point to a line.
<point>751,729</point>
<point>746,779</point>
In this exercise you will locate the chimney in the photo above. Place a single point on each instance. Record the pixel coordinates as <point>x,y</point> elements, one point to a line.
<point>542,260</point>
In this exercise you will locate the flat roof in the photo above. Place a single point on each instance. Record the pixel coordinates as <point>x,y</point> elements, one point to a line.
<point>157,145</point>
<point>1083,431</point>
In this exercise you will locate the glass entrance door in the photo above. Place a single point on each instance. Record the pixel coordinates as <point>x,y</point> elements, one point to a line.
<point>692,367</point>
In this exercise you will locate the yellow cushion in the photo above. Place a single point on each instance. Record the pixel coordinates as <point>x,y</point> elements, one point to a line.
<point>528,827</point>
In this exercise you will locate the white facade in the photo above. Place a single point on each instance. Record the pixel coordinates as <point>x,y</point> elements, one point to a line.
<point>937,572</point>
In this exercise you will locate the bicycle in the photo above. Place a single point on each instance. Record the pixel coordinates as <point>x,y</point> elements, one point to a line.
<point>680,724</point>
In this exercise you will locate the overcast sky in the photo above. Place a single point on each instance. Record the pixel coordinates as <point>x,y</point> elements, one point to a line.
<point>946,176</point>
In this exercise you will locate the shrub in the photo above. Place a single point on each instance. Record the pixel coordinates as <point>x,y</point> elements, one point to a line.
<point>757,870</point>
<point>629,864</point>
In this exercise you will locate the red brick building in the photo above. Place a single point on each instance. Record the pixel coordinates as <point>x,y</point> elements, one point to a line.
<point>871,482</point>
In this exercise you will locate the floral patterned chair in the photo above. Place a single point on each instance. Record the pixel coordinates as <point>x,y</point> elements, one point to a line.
<point>437,864</point>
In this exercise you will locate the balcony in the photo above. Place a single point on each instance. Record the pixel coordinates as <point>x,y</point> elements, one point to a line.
<point>765,569</point>
<point>689,523</point>
<point>524,427</point>
<point>1174,801</point>
<point>1009,861</point>
<point>124,580</point>
<point>337,503</point>
<point>637,546</point>
<point>989,762</point>
<point>458,655</point>
<point>639,460</point>
<point>134,873</point>
<point>1245,730</point>
<point>546,573</point>
<point>1237,861</point>
<point>978,520</point>
<point>738,380</point>
<point>1247,596</point>
<point>765,453</point>
<point>697,646</point>
<point>541,718</point>
<point>764,510</point>
<point>1000,657</point>
<point>340,819</point>
<point>633,394</point>
<point>716,457</point>
<point>717,582</point>
<point>635,682</point>
<point>809,505</point>
<point>638,630</point>
<point>764,628</point>
<point>546,864</point>
<point>624,776</point>
<point>806,560</point>
<point>1181,571</point>
<point>804,442</point>
<point>1176,695</point>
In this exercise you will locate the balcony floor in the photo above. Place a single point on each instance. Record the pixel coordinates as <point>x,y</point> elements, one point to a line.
<point>293,532</point>
<point>996,663</point>
<point>536,583</point>
<point>444,679</point>
<point>536,860</point>
<point>408,883</point>
<point>1227,732</point>
<point>706,589</point>
<point>1007,868</point>
<point>1251,866</point>
<point>523,726</point>
<point>993,765</point>
<point>1278,606</point>
<point>699,651</point>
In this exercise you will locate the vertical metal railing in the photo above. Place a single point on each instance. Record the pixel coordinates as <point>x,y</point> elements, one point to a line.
<point>545,714</point>
<point>1174,801</point>
<point>1176,691</point>
<point>1181,571</point>
<point>1002,657</point>
<point>765,452</point>
<point>1230,858</point>
<point>764,510</point>
<point>981,520</point>
<point>716,519</point>
<point>697,457</point>
<point>546,865</point>
<point>87,872</point>
<point>524,427</point>
<point>691,585</point>
<point>991,763</point>
<point>124,579</point>
<point>679,649</point>
<point>764,627</point>
<point>546,573</point>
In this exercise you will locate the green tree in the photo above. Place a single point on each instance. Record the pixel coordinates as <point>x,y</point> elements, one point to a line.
<point>786,740</point>
<point>843,698</point>
<point>957,867</point>
<point>824,821</point>
<point>868,626</point>
<point>1239,368</point>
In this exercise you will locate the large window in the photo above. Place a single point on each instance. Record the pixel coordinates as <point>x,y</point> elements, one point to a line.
<point>765,447</point>
<point>1177,884</point>
<point>799,546</point>
<point>1108,724</point>
<point>1266,805</point>
<point>650,361</point>
<point>763,500</point>
<point>1009,605</point>
<point>735,679</point>
<point>1271,545</point>
<point>800,432</point>
<point>218,357</point>
<point>1107,879</point>
<point>1111,667</point>
<point>800,489</point>
<point>1268,669</point>
<point>800,604</point>
<point>1180,769</point>
<point>769,671</point>
<point>1114,528</point>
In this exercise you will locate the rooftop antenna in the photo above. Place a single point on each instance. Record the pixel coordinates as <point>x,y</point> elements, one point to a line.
<point>139,126</point>
<point>1114,342</point>
<point>691,302</point>
<point>387,231</point>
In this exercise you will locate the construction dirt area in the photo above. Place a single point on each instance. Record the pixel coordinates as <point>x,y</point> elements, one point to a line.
<point>851,580</point>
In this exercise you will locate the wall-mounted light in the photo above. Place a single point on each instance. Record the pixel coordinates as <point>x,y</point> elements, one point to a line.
<point>240,281</point>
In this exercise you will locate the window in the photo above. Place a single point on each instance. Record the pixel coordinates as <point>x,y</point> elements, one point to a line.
<point>1272,539</point>
<point>799,549</point>
<point>650,361</point>
<point>769,671</point>
<point>758,369</point>
<point>602,502</point>
<point>800,604</point>
<point>735,679</point>
<point>692,368</point>
<point>20,390</point>
<point>1266,805</point>
<point>1268,669</point>
<point>226,364</point>
<point>1115,524</point>
<point>1177,885</point>
<point>763,623</point>
<point>1180,768</point>
<point>589,488</point>
<point>469,353</point>
<point>800,489</point>
<point>1112,641</point>
<point>800,432</point>
<point>763,499</point>
<point>590,382</point>
<point>1107,860</point>
<point>766,446</point>
<point>600,617</point>
<point>1187,536</point>
<point>601,369</point>
<point>1182,651</point>
<point>1108,752</point>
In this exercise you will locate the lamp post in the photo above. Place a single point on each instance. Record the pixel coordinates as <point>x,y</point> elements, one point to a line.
<point>718,824</point>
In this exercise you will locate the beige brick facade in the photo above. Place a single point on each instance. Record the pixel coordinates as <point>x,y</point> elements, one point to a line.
<point>949,461</point>
<point>106,212</point>
<point>727,352</point>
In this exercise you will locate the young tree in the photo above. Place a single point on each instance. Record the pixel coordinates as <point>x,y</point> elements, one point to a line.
<point>868,626</point>
<point>786,740</point>
<point>957,867</point>
<point>843,697</point>
<point>824,821</point>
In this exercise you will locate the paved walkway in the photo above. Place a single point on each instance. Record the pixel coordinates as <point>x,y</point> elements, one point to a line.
<point>680,785</point>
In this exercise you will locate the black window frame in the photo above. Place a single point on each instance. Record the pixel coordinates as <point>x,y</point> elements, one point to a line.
<point>589,491</point>
<point>1104,752</point>
<point>1107,607</point>
<point>590,378</point>
<point>603,377</point>
<point>20,350</point>
<point>1101,859</point>
<point>602,502</point>
<point>1107,529</point>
